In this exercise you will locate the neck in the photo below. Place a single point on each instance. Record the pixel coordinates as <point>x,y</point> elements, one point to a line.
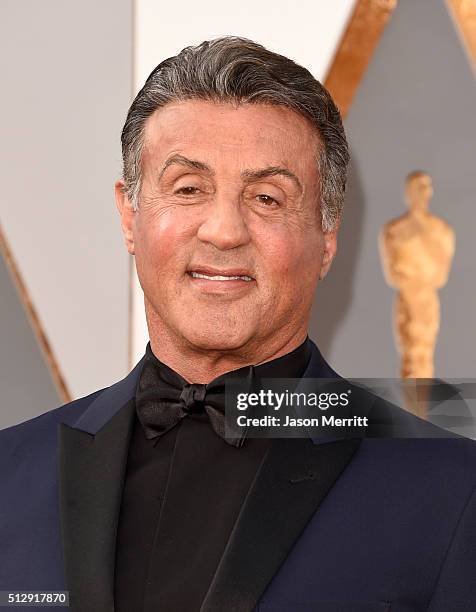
<point>201,365</point>
<point>419,212</point>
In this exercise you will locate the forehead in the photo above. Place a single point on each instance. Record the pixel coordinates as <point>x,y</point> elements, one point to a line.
<point>421,179</point>
<point>221,132</point>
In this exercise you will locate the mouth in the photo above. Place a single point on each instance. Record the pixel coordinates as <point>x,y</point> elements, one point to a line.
<point>220,277</point>
<point>213,274</point>
<point>215,280</point>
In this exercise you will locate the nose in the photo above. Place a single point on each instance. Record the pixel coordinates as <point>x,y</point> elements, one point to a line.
<point>224,226</point>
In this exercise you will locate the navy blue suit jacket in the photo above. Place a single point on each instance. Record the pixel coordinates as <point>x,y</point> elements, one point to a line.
<point>342,526</point>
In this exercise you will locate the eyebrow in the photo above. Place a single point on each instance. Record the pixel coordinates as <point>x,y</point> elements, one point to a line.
<point>255,175</point>
<point>248,175</point>
<point>180,160</point>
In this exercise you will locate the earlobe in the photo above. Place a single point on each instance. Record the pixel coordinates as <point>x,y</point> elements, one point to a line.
<point>126,212</point>
<point>328,254</point>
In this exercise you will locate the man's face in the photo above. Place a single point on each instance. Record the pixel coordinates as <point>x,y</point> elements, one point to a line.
<point>228,192</point>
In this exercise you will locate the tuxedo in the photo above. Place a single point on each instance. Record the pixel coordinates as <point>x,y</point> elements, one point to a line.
<point>185,483</point>
<point>343,525</point>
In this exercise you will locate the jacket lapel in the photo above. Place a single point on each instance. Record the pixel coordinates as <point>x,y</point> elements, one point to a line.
<point>294,477</point>
<point>92,461</point>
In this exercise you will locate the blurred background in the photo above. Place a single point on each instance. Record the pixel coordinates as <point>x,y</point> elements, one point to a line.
<point>71,309</point>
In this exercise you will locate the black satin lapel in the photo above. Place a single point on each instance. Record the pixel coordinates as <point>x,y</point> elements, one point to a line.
<point>91,478</point>
<point>294,478</point>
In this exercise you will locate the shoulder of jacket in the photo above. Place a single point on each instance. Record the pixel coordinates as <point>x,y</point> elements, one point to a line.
<point>42,428</point>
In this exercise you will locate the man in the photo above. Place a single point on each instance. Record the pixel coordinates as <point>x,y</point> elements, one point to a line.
<point>133,498</point>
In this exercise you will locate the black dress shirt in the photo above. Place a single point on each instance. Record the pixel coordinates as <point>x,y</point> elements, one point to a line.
<point>181,498</point>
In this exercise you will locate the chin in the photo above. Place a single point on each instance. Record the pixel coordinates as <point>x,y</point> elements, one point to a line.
<point>217,337</point>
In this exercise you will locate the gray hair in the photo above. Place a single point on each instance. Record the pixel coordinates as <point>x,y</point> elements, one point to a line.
<point>238,70</point>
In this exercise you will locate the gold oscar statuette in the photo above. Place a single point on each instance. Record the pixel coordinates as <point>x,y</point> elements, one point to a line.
<point>416,250</point>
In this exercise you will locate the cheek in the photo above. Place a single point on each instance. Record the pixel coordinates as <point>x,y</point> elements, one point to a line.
<point>292,259</point>
<point>162,242</point>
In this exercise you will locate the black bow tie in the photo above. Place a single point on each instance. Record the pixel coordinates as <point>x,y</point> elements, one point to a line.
<point>163,398</point>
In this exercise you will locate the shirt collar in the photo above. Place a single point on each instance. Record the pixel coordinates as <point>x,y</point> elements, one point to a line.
<point>290,365</point>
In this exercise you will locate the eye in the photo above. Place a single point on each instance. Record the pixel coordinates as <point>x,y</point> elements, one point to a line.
<point>266,199</point>
<point>187,190</point>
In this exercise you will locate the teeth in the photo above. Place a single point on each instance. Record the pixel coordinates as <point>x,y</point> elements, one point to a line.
<point>220,278</point>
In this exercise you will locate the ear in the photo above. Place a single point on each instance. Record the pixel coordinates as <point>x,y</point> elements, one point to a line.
<point>328,253</point>
<point>127,213</point>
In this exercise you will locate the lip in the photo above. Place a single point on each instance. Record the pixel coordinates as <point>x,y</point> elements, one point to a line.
<point>209,271</point>
<point>225,289</point>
